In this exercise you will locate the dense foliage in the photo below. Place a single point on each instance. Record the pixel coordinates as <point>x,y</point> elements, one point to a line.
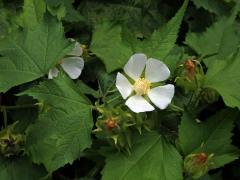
<point>67,112</point>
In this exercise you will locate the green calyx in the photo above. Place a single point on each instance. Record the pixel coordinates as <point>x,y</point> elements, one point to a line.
<point>11,143</point>
<point>190,75</point>
<point>115,124</point>
<point>197,165</point>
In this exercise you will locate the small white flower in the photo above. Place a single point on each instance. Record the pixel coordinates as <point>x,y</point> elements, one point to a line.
<point>72,65</point>
<point>144,72</point>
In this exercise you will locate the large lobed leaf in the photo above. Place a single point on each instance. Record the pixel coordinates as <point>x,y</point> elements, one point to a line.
<point>219,7</point>
<point>220,42</point>
<point>30,53</point>
<point>163,40</point>
<point>63,132</point>
<point>153,158</point>
<point>107,42</point>
<point>221,39</point>
<point>224,76</point>
<point>108,45</point>
<point>33,12</point>
<point>212,136</point>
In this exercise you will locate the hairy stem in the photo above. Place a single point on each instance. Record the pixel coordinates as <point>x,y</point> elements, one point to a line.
<point>176,108</point>
<point>4,116</point>
<point>18,106</point>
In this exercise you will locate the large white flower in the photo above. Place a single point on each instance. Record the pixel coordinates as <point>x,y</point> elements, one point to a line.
<point>145,74</point>
<point>72,65</point>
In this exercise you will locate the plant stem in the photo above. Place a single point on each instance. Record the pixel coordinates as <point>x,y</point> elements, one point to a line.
<point>18,106</point>
<point>177,108</point>
<point>5,108</point>
<point>94,171</point>
<point>4,116</point>
<point>113,99</point>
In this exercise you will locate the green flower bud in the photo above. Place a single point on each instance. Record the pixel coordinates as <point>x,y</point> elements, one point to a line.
<point>11,144</point>
<point>42,107</point>
<point>197,165</point>
<point>115,124</point>
<point>190,75</point>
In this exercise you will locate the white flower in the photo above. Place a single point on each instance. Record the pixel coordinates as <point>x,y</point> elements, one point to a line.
<point>145,73</point>
<point>72,65</point>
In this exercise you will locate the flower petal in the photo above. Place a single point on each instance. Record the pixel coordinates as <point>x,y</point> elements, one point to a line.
<point>156,70</point>
<point>138,104</point>
<point>77,50</point>
<point>53,73</point>
<point>73,66</point>
<point>123,85</point>
<point>161,96</point>
<point>135,66</point>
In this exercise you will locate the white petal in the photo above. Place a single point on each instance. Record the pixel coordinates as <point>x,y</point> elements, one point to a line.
<point>135,65</point>
<point>53,73</point>
<point>138,104</point>
<point>161,96</point>
<point>73,66</point>
<point>123,85</point>
<point>77,50</point>
<point>156,70</point>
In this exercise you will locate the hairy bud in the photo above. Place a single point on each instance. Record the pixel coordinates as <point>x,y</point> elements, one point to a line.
<point>197,165</point>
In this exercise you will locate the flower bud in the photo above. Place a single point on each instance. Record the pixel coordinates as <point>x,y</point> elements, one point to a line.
<point>111,123</point>
<point>115,125</point>
<point>42,106</point>
<point>190,75</point>
<point>190,66</point>
<point>11,144</point>
<point>197,165</point>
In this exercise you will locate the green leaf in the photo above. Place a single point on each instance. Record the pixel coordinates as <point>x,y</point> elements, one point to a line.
<point>223,76</point>
<point>85,89</point>
<point>72,15</point>
<point>221,39</point>
<point>145,16</point>
<point>63,9</point>
<point>211,136</point>
<point>62,132</point>
<point>152,158</point>
<point>218,7</point>
<point>33,11</point>
<point>58,11</point>
<point>163,40</point>
<point>107,44</point>
<point>96,11</point>
<point>175,57</point>
<point>54,3</point>
<point>29,54</point>
<point>20,168</point>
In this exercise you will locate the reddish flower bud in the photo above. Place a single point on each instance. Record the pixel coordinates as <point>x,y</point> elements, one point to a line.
<point>111,124</point>
<point>200,158</point>
<point>190,67</point>
<point>196,165</point>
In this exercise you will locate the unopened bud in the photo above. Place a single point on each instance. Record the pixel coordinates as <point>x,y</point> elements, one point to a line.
<point>190,67</point>
<point>111,123</point>
<point>11,144</point>
<point>197,165</point>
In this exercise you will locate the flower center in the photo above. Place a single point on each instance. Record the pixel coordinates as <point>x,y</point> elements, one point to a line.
<point>142,86</point>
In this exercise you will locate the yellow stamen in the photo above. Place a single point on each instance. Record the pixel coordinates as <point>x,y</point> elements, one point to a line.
<point>142,86</point>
